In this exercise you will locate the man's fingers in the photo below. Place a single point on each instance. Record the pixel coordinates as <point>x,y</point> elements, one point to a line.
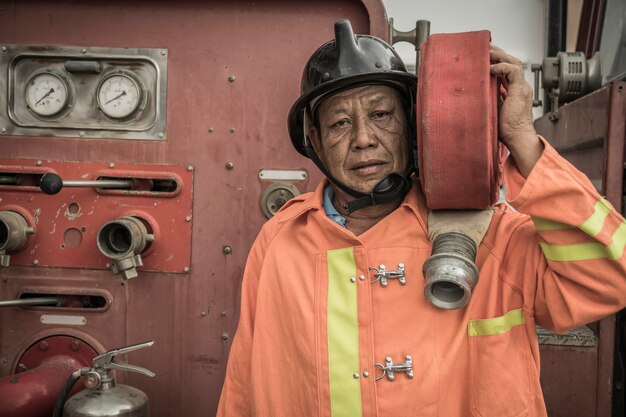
<point>513,73</point>
<point>497,55</point>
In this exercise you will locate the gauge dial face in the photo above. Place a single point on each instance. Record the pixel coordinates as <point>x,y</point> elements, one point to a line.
<point>119,96</point>
<point>46,94</point>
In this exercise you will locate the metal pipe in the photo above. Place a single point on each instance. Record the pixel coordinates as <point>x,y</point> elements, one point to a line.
<point>40,301</point>
<point>422,29</point>
<point>99,183</point>
<point>8,179</point>
<point>52,183</point>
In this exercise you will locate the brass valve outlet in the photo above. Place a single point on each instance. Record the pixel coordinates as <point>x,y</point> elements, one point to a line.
<point>14,233</point>
<point>124,240</point>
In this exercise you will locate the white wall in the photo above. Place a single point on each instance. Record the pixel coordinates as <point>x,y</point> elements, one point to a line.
<point>517,26</point>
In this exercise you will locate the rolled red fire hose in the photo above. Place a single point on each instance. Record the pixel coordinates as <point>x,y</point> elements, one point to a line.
<point>459,156</point>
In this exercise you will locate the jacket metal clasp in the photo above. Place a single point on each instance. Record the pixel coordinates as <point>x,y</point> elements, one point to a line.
<point>383,275</point>
<point>389,369</point>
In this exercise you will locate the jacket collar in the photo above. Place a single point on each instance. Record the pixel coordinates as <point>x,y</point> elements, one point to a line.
<point>297,206</point>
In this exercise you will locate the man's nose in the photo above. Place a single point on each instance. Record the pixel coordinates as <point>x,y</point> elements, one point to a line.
<point>363,136</point>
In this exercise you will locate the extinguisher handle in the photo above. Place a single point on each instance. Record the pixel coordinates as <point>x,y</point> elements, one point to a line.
<point>131,368</point>
<point>106,360</point>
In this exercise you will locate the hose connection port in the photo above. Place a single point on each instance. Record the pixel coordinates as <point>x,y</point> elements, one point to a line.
<point>124,240</point>
<point>14,233</point>
<point>450,272</point>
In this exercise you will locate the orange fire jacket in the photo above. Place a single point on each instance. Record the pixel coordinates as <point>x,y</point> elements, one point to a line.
<point>317,330</point>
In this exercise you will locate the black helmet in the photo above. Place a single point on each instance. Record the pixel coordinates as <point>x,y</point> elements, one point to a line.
<point>346,62</point>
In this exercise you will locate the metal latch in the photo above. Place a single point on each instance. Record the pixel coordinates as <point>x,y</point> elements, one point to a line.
<point>390,368</point>
<point>383,275</point>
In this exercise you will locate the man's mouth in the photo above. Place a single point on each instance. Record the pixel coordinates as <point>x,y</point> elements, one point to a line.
<point>371,166</point>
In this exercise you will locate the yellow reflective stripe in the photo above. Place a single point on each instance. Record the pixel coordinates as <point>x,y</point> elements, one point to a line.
<point>545,224</point>
<point>595,223</point>
<point>587,251</point>
<point>496,325</point>
<point>592,226</point>
<point>343,334</point>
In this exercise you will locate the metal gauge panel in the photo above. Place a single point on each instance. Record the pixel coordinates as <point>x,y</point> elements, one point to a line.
<point>58,91</point>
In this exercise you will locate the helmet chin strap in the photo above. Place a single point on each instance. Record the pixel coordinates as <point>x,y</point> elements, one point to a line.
<point>391,188</point>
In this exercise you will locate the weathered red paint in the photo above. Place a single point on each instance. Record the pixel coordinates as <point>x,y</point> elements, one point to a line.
<point>210,121</point>
<point>84,211</point>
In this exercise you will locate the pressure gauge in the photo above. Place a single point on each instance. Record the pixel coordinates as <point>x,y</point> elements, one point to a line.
<point>46,93</point>
<point>119,95</point>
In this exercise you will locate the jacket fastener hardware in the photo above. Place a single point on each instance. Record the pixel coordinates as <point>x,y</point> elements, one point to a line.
<point>389,369</point>
<point>383,275</point>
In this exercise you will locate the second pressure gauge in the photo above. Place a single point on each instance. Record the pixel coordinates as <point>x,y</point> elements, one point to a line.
<point>119,96</point>
<point>46,93</point>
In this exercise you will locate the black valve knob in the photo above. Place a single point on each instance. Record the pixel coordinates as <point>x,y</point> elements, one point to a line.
<point>51,183</point>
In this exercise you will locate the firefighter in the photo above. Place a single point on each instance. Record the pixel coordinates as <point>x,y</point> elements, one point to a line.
<point>333,318</point>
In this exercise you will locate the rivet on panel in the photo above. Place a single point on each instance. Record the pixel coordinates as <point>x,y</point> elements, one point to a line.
<point>230,165</point>
<point>35,262</point>
<point>43,345</point>
<point>352,279</point>
<point>231,78</point>
<point>163,52</point>
<point>188,218</point>
<point>38,163</point>
<point>211,130</point>
<point>5,359</point>
<point>186,269</point>
<point>203,314</point>
<point>83,51</point>
<point>227,250</point>
<point>189,168</point>
<point>4,49</point>
<point>366,374</point>
<point>22,368</point>
<point>3,130</point>
<point>362,277</point>
<point>223,313</point>
<point>74,345</point>
<point>81,134</point>
<point>160,134</point>
<point>111,164</point>
<point>224,336</point>
<point>356,375</point>
<point>231,130</point>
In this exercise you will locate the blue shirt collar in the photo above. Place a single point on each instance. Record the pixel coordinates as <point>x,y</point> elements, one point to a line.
<point>330,210</point>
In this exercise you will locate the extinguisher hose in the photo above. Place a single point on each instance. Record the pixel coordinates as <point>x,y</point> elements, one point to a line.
<point>69,384</point>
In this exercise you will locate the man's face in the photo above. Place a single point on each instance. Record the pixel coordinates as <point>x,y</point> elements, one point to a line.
<point>362,136</point>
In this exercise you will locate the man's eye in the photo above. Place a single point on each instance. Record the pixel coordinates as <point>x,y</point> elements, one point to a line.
<point>341,123</point>
<point>379,115</point>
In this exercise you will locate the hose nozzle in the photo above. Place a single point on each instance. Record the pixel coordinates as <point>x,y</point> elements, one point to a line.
<point>450,272</point>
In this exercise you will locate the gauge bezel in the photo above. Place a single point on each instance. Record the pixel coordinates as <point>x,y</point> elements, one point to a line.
<point>67,83</point>
<point>141,103</point>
